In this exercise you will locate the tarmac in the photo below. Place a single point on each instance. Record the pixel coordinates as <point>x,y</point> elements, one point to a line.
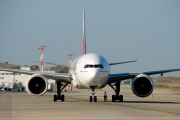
<point>163,104</point>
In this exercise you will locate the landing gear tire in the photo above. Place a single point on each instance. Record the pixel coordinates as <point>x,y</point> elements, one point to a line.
<point>58,98</point>
<point>95,98</point>
<point>55,98</point>
<point>121,98</point>
<point>90,99</point>
<point>62,98</point>
<point>113,98</point>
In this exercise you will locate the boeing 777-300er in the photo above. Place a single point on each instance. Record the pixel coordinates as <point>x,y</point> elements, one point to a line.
<point>90,71</point>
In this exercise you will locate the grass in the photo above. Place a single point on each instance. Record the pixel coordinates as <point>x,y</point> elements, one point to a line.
<point>161,86</point>
<point>172,83</point>
<point>169,80</point>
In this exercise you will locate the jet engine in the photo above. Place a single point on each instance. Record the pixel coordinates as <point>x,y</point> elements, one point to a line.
<point>142,85</point>
<point>36,85</point>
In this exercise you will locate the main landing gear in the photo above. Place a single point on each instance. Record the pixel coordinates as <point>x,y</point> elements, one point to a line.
<point>117,91</point>
<point>59,90</point>
<point>91,98</point>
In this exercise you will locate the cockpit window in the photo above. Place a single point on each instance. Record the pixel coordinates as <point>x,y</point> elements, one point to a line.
<point>94,66</point>
<point>86,66</point>
<point>91,66</point>
<point>101,66</point>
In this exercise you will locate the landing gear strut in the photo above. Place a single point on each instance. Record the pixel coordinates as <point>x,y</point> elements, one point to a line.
<point>91,98</point>
<point>117,91</point>
<point>59,90</point>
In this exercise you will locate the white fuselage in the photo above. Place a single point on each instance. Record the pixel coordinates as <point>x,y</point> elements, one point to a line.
<point>90,70</point>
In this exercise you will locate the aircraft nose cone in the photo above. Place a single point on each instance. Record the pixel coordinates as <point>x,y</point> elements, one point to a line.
<point>93,74</point>
<point>94,77</point>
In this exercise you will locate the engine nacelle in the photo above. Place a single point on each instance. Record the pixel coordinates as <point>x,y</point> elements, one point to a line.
<point>142,85</point>
<point>36,84</point>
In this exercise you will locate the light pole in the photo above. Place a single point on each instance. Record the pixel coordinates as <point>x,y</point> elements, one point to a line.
<point>70,58</point>
<point>41,49</point>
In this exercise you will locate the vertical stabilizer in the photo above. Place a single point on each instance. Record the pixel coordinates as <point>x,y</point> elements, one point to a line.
<point>84,35</point>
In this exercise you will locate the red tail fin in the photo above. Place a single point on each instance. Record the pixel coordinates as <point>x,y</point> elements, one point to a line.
<point>84,35</point>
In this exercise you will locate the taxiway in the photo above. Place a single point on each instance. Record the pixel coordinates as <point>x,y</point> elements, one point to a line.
<point>162,104</point>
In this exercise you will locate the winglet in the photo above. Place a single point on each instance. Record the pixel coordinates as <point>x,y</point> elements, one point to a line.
<point>84,35</point>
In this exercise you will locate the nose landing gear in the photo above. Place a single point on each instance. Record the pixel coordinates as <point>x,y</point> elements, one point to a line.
<point>93,97</point>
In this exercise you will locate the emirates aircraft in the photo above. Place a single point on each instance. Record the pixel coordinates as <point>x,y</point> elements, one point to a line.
<point>90,71</point>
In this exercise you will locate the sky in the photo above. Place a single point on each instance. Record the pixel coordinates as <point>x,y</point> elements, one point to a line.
<point>120,30</point>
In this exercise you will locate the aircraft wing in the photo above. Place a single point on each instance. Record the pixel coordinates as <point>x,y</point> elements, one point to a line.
<point>122,62</point>
<point>51,63</point>
<point>123,76</point>
<point>56,76</point>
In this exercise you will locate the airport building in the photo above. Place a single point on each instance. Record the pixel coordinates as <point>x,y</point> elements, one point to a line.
<point>9,79</point>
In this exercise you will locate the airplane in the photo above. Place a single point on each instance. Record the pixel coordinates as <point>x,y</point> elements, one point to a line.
<point>90,71</point>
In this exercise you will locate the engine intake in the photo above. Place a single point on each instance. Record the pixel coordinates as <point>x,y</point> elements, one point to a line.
<point>36,85</point>
<point>142,85</point>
